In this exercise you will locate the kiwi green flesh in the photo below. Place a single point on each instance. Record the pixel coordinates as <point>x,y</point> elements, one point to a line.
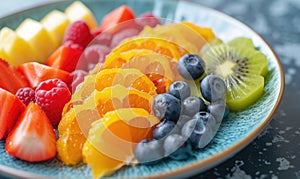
<point>242,41</point>
<point>244,92</point>
<point>242,69</point>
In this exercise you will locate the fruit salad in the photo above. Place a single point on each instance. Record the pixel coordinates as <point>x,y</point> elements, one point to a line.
<point>129,90</point>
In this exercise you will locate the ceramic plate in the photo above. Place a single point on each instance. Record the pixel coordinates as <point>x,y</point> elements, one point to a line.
<point>234,134</point>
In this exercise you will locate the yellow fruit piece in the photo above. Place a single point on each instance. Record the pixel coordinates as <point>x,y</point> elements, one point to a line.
<point>78,11</point>
<point>116,97</point>
<point>56,23</point>
<point>205,32</point>
<point>78,117</point>
<point>118,61</point>
<point>177,33</point>
<point>111,139</point>
<point>157,45</point>
<point>102,164</point>
<point>127,77</point>
<point>35,34</point>
<point>15,49</point>
<point>73,130</point>
<point>69,148</point>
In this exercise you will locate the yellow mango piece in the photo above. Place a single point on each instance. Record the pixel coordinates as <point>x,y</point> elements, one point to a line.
<point>15,49</point>
<point>56,23</point>
<point>78,11</point>
<point>36,35</point>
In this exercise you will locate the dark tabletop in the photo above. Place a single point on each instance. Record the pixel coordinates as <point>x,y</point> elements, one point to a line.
<point>275,153</point>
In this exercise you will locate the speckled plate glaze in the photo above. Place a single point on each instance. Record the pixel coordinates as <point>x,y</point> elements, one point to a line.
<point>234,134</point>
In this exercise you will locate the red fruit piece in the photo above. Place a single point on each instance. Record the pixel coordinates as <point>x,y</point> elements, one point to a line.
<point>79,33</point>
<point>120,14</point>
<point>26,95</point>
<point>121,35</point>
<point>103,39</point>
<point>33,137</point>
<point>77,77</point>
<point>36,73</point>
<point>11,79</point>
<point>148,19</point>
<point>52,95</point>
<point>64,58</point>
<point>10,109</point>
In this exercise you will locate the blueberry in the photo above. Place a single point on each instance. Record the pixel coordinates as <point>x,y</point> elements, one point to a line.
<point>149,151</point>
<point>182,120</point>
<point>191,66</point>
<point>213,88</point>
<point>180,90</point>
<point>165,128</point>
<point>199,129</point>
<point>166,106</point>
<point>192,104</point>
<point>177,147</point>
<point>219,110</point>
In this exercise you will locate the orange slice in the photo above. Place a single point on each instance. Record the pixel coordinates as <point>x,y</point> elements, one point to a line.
<point>157,45</point>
<point>76,121</point>
<point>116,97</point>
<point>177,33</point>
<point>205,32</point>
<point>127,77</point>
<point>119,129</point>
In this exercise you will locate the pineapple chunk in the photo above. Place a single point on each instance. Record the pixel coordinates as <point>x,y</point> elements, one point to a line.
<point>14,49</point>
<point>36,35</point>
<point>56,23</point>
<point>78,11</point>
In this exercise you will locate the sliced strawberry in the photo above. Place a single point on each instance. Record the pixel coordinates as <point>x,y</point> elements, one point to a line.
<point>33,137</point>
<point>10,109</point>
<point>10,78</point>
<point>64,58</point>
<point>36,73</point>
<point>115,17</point>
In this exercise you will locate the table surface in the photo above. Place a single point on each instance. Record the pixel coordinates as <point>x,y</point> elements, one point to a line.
<point>275,153</point>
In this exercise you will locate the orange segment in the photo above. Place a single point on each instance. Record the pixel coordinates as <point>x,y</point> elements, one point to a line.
<point>127,77</point>
<point>69,148</point>
<point>179,34</point>
<point>206,32</point>
<point>115,97</point>
<point>154,64</point>
<point>119,129</point>
<point>124,57</point>
<point>157,45</point>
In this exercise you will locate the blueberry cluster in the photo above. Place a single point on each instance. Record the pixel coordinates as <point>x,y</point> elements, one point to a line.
<point>187,122</point>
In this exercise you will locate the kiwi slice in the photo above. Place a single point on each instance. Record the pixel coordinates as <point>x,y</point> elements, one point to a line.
<point>242,41</point>
<point>242,68</point>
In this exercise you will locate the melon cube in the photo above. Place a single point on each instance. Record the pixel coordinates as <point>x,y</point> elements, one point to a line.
<point>37,37</point>
<point>15,49</point>
<point>78,11</point>
<point>56,23</point>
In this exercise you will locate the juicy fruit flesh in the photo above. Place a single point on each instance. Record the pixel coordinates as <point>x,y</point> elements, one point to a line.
<point>225,69</point>
<point>243,70</point>
<point>121,128</point>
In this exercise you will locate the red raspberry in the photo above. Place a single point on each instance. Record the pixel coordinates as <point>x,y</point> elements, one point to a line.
<point>52,95</point>
<point>26,95</point>
<point>79,33</point>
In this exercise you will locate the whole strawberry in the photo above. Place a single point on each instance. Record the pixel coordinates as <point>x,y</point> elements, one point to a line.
<point>79,33</point>
<point>52,95</point>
